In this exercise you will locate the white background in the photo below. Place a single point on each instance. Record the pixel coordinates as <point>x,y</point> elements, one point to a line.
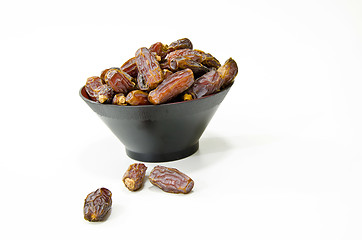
<point>281,159</point>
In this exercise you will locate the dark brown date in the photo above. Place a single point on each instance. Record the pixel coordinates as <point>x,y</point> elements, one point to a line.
<point>208,60</point>
<point>207,84</point>
<point>137,97</point>
<point>149,68</point>
<point>97,204</point>
<point>228,72</point>
<point>180,63</point>
<point>119,99</point>
<point>92,86</point>
<point>130,67</point>
<point>180,44</point>
<point>133,177</point>
<point>120,81</point>
<point>171,180</point>
<point>172,86</point>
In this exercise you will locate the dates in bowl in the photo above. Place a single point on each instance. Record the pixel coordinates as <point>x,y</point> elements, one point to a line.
<point>159,102</point>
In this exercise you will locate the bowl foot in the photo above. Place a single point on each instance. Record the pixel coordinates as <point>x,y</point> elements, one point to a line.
<point>166,157</point>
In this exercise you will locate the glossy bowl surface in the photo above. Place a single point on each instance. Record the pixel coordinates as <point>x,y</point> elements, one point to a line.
<point>159,133</point>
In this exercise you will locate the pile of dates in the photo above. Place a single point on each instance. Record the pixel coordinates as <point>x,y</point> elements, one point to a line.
<point>162,74</point>
<point>98,203</point>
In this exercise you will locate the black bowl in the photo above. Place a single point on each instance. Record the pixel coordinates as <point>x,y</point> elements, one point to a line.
<point>159,133</point>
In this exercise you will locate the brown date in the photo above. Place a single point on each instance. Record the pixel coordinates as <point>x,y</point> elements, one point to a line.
<point>186,53</point>
<point>97,204</point>
<point>120,81</point>
<point>137,97</point>
<point>208,60</point>
<point>171,180</point>
<point>180,44</point>
<point>92,86</point>
<point>180,63</point>
<point>149,68</point>
<point>159,48</point>
<point>119,99</point>
<point>134,176</point>
<point>228,72</point>
<point>207,84</point>
<point>130,67</point>
<point>172,86</point>
<point>105,94</point>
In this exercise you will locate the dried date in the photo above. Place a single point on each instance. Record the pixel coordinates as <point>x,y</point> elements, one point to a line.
<point>134,176</point>
<point>207,84</point>
<point>92,86</point>
<point>181,63</point>
<point>228,72</point>
<point>183,43</point>
<point>119,80</point>
<point>175,84</point>
<point>105,94</point>
<point>119,99</point>
<point>137,97</point>
<point>97,204</point>
<point>171,180</point>
<point>130,67</point>
<point>149,68</point>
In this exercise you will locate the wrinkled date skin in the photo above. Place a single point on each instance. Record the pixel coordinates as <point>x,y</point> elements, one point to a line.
<point>97,204</point>
<point>137,97</point>
<point>228,72</point>
<point>149,68</point>
<point>180,44</point>
<point>134,176</point>
<point>120,81</point>
<point>171,180</point>
<point>181,63</point>
<point>93,86</point>
<point>159,49</point>
<point>105,94</point>
<point>207,84</point>
<point>130,67</point>
<point>175,84</point>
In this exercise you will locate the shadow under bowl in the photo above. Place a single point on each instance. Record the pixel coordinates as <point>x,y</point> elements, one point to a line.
<point>159,133</point>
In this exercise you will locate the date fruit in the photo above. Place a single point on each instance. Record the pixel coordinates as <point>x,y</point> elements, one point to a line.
<point>97,204</point>
<point>171,180</point>
<point>119,99</point>
<point>133,177</point>
<point>119,80</point>
<point>137,97</point>
<point>207,84</point>
<point>228,71</point>
<point>172,86</point>
<point>130,67</point>
<point>93,86</point>
<point>149,68</point>
<point>181,63</point>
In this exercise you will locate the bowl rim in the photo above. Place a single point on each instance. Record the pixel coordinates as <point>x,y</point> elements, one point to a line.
<point>150,105</point>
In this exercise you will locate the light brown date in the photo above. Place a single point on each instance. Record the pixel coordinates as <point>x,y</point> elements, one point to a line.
<point>228,72</point>
<point>92,86</point>
<point>134,176</point>
<point>97,204</point>
<point>137,97</point>
<point>171,180</point>
<point>149,68</point>
<point>172,86</point>
<point>119,99</point>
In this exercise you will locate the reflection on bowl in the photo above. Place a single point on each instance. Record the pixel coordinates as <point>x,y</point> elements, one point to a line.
<point>159,133</point>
